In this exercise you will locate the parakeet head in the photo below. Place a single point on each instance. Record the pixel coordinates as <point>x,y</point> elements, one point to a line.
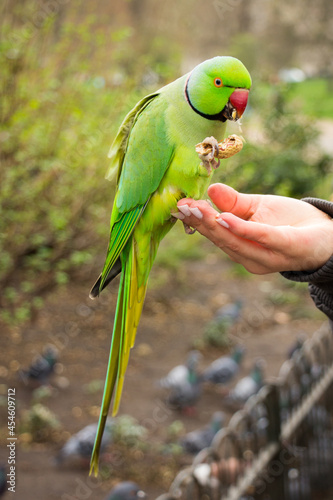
<point>218,88</point>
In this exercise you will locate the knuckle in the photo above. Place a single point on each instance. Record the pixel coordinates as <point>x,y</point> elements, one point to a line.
<point>233,247</point>
<point>211,226</point>
<point>264,240</point>
<point>202,204</point>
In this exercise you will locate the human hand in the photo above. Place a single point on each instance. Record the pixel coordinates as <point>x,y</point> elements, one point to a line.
<point>264,233</point>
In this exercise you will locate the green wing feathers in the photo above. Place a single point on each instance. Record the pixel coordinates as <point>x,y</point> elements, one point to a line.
<point>121,230</point>
<point>147,157</point>
<point>119,145</point>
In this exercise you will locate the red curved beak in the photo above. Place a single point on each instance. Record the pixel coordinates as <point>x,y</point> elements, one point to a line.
<point>238,100</point>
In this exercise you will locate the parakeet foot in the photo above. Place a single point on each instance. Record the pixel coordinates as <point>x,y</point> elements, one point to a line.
<point>208,160</point>
<point>188,229</point>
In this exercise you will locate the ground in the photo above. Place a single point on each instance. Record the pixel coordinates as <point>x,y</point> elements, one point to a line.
<point>173,321</point>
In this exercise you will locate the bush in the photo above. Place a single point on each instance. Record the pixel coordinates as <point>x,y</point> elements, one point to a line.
<point>62,102</point>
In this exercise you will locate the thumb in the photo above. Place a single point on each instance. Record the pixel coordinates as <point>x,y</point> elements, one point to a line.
<point>228,199</point>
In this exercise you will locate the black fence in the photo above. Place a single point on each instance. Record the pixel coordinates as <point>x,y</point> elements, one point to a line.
<point>280,445</point>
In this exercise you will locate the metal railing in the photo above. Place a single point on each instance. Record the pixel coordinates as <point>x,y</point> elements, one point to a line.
<point>280,445</point>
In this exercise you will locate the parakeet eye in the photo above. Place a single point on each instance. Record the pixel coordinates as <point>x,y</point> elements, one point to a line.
<point>218,82</point>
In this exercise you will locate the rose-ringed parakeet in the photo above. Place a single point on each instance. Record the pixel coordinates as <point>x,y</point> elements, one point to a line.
<point>154,159</point>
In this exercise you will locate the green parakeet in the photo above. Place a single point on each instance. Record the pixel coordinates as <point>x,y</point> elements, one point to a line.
<point>154,159</point>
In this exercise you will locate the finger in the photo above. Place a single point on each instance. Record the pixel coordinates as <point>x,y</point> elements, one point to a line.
<point>277,238</point>
<point>196,210</point>
<point>254,257</point>
<point>228,199</point>
<point>201,216</point>
<point>285,247</point>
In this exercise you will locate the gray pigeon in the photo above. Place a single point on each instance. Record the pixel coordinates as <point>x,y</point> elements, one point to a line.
<point>216,331</point>
<point>80,445</point>
<point>247,386</point>
<point>181,373</point>
<point>183,396</point>
<point>41,368</point>
<point>196,441</point>
<point>296,346</point>
<point>126,490</point>
<point>224,369</point>
<point>230,312</point>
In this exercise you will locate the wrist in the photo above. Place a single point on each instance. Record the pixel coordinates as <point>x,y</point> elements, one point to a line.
<point>322,205</point>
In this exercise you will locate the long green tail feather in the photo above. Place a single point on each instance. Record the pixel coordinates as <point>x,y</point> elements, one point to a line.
<point>128,312</point>
<point>111,377</point>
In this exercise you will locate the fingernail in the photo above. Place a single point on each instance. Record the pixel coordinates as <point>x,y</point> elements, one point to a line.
<point>196,212</point>
<point>222,223</point>
<point>185,210</point>
<point>178,215</point>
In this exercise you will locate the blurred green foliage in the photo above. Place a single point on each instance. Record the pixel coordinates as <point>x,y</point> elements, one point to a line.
<point>182,248</point>
<point>58,116</point>
<point>216,333</point>
<point>39,423</point>
<point>128,431</point>
<point>314,96</point>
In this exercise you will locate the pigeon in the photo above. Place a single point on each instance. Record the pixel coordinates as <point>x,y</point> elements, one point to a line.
<point>183,396</point>
<point>41,368</point>
<point>126,490</point>
<point>247,386</point>
<point>80,445</point>
<point>196,441</point>
<point>296,346</point>
<point>230,312</point>
<point>180,374</point>
<point>216,331</point>
<point>224,369</point>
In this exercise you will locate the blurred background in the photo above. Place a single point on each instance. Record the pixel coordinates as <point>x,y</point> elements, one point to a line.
<point>70,71</point>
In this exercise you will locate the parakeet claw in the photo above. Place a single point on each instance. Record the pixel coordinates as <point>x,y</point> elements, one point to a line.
<point>209,160</point>
<point>188,229</point>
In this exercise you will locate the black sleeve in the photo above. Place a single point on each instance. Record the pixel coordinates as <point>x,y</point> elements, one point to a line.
<point>321,280</point>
